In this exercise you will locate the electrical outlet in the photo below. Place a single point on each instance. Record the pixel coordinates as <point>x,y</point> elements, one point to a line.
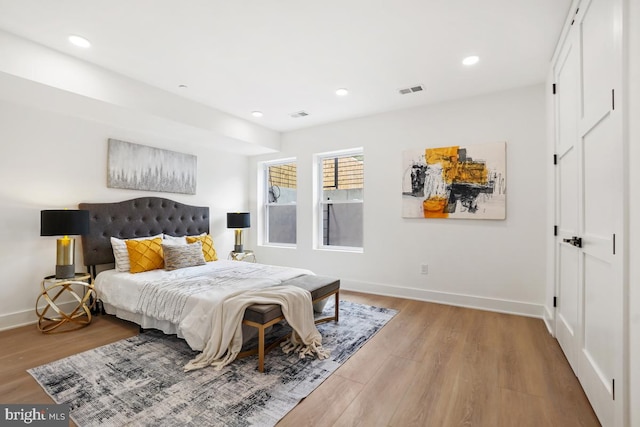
<point>424,269</point>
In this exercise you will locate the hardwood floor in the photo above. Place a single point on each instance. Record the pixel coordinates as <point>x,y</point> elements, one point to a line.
<point>431,365</point>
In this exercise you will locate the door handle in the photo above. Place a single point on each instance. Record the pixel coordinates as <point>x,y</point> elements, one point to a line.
<point>575,241</point>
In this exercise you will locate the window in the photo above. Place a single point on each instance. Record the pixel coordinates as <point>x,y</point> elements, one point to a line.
<point>280,195</point>
<point>340,189</point>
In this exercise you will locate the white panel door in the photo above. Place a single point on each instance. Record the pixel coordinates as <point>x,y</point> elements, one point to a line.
<point>600,359</point>
<point>589,207</point>
<point>567,76</point>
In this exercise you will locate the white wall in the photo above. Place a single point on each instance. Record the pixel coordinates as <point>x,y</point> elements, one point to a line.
<point>498,265</point>
<point>50,160</point>
<point>633,51</point>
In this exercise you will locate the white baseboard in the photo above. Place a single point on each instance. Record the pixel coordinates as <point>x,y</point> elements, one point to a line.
<point>549,320</point>
<point>15,320</point>
<point>27,317</point>
<point>460,300</point>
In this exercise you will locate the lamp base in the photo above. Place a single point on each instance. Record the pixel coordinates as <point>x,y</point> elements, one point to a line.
<point>65,254</point>
<point>65,271</point>
<point>237,248</point>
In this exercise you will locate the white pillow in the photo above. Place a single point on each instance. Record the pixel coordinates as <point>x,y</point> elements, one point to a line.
<point>121,254</point>
<point>168,239</point>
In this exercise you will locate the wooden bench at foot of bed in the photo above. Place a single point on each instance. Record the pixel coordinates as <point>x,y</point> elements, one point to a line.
<point>262,316</point>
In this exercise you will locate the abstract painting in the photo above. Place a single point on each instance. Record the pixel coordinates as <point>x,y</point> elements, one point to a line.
<point>139,167</point>
<point>467,182</point>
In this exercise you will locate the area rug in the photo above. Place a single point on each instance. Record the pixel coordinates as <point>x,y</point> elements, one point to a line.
<point>139,381</point>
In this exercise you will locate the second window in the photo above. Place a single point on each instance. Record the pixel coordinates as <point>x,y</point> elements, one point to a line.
<point>341,199</point>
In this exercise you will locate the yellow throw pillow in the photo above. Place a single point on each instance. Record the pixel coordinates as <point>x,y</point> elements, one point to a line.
<point>145,255</point>
<point>207,246</point>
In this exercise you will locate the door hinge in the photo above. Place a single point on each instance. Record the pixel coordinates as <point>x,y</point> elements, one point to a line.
<point>613,389</point>
<point>555,230</point>
<point>555,159</point>
<point>553,88</point>
<point>574,20</point>
<point>613,99</point>
<point>555,301</point>
<point>614,243</point>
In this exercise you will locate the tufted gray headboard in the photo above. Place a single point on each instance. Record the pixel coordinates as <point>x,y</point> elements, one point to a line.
<point>145,216</point>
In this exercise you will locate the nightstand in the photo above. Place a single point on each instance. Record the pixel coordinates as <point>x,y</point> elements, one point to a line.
<point>248,256</point>
<point>52,317</point>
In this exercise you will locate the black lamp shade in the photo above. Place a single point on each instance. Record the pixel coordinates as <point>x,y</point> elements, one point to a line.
<point>64,222</point>
<point>238,220</point>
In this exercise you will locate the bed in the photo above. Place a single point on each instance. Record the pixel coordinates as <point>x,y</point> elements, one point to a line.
<point>174,301</point>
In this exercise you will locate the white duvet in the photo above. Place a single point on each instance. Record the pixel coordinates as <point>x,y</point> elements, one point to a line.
<point>187,297</point>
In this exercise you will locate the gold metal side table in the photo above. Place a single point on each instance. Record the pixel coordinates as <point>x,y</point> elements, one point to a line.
<point>247,255</point>
<point>53,318</point>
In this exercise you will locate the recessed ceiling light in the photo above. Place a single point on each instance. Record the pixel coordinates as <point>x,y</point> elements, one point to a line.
<point>342,92</point>
<point>79,41</point>
<point>257,113</point>
<point>182,86</point>
<point>470,60</point>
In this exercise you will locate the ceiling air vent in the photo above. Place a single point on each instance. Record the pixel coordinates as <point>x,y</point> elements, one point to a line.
<point>299,114</point>
<point>412,89</point>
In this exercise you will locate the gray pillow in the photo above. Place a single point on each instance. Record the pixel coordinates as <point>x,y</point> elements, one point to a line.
<point>181,256</point>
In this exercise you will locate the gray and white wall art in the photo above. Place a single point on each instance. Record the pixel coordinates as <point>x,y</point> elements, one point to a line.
<point>140,167</point>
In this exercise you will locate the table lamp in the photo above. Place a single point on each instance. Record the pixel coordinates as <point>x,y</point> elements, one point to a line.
<point>238,220</point>
<point>64,222</point>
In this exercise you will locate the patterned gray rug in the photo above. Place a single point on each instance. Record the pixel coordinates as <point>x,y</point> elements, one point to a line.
<point>139,381</point>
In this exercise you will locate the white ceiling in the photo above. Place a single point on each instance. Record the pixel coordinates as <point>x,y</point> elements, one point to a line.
<point>283,56</point>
